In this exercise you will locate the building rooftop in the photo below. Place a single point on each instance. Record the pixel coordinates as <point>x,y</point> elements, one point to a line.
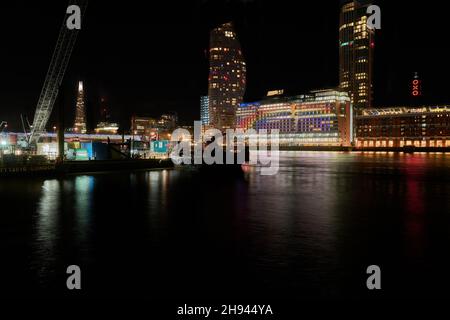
<point>312,96</point>
<point>402,110</point>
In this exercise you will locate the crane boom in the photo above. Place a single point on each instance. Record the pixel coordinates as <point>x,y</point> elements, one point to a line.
<point>55,74</point>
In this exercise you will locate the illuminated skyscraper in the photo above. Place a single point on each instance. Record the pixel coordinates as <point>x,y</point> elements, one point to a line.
<point>356,46</point>
<point>227,77</point>
<point>80,112</point>
<point>204,110</point>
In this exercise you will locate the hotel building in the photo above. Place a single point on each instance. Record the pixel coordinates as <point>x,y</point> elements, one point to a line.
<point>227,77</point>
<point>356,47</point>
<point>398,127</point>
<point>319,118</point>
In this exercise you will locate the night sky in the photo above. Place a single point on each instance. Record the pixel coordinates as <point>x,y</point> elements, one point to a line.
<point>149,57</point>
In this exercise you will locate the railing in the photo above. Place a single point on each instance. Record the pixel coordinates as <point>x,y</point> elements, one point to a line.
<point>18,165</point>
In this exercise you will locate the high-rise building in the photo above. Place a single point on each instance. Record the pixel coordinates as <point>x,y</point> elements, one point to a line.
<point>80,112</point>
<point>204,110</point>
<point>356,47</point>
<point>227,77</point>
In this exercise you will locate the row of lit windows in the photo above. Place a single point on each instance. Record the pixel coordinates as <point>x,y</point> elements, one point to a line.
<point>348,7</point>
<point>346,25</point>
<point>361,76</point>
<point>229,34</point>
<point>220,49</point>
<point>409,143</point>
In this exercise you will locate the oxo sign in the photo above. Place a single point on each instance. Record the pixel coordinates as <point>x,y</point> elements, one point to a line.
<point>416,86</point>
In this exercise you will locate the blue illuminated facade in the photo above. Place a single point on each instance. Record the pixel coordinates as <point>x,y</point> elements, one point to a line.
<point>204,110</point>
<point>318,118</point>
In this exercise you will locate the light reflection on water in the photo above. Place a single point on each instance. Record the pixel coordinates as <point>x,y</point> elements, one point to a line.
<point>47,223</point>
<point>84,186</point>
<point>308,231</point>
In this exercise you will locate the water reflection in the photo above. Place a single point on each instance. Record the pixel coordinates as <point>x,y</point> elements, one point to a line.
<point>47,223</point>
<point>307,230</point>
<point>84,187</point>
<point>157,184</point>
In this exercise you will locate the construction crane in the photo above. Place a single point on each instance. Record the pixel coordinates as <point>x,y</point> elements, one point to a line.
<point>3,126</point>
<point>55,74</point>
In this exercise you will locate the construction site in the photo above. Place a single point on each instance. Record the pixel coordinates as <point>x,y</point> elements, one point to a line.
<point>37,150</point>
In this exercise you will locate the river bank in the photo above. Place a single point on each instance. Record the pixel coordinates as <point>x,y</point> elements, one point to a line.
<point>78,167</point>
<point>409,149</point>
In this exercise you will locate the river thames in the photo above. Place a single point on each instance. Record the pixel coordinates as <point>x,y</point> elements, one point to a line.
<point>309,232</point>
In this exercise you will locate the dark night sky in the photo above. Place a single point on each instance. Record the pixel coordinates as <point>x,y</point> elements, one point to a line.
<point>148,57</point>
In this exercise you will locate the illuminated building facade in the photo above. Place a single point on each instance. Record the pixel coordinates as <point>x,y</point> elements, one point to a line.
<point>227,77</point>
<point>399,127</point>
<point>151,129</point>
<point>107,128</point>
<point>356,50</point>
<point>80,112</point>
<point>165,126</point>
<point>204,110</point>
<point>319,118</point>
<point>143,126</point>
<point>167,122</point>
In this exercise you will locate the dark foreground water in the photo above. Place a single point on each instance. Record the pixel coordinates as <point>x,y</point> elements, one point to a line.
<point>309,232</point>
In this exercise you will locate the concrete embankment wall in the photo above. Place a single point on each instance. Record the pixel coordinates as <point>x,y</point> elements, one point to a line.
<point>78,167</point>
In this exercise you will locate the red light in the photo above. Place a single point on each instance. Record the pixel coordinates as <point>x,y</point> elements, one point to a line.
<point>416,87</point>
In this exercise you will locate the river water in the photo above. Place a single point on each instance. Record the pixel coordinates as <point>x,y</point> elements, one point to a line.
<point>310,231</point>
